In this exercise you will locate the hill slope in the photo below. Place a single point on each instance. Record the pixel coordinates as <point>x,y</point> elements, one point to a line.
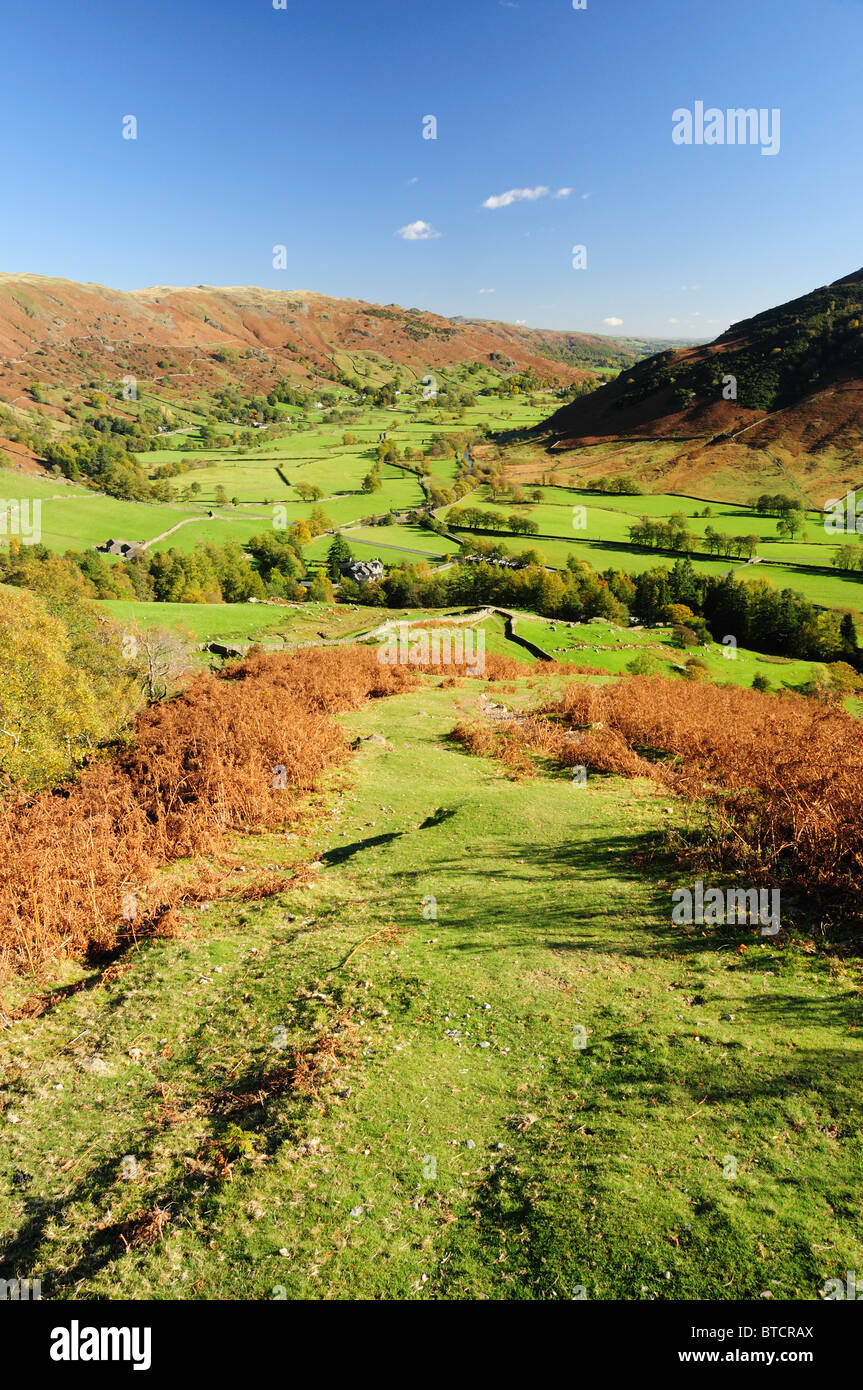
<point>194,340</point>
<point>335,1093</point>
<point>798,376</point>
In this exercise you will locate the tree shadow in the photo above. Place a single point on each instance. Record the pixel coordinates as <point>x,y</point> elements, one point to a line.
<point>342,853</point>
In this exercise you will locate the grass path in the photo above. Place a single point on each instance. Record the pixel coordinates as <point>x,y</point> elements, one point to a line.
<point>454,1142</point>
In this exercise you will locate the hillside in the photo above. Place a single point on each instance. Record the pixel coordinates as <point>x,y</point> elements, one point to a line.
<point>798,375</point>
<point>192,341</point>
<point>471,1056</point>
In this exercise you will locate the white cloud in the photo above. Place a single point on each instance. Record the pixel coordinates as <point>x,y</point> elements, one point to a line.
<point>674,320</point>
<point>415,179</point>
<point>519,323</point>
<point>524,195</point>
<point>585,196</point>
<point>517,195</point>
<point>485,291</point>
<point>417,231</point>
<point>613,323</point>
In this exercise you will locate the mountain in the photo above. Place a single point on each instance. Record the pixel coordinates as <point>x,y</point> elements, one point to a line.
<point>192,341</point>
<point>797,371</point>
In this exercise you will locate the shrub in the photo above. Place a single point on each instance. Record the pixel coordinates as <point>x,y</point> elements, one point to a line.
<point>79,867</point>
<point>696,669</point>
<point>65,686</point>
<point>780,772</point>
<point>644,664</point>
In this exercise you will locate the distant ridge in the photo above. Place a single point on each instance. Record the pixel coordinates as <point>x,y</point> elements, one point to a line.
<point>776,364</point>
<point>65,333</point>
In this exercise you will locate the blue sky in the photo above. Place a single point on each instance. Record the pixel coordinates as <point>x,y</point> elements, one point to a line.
<point>302,127</point>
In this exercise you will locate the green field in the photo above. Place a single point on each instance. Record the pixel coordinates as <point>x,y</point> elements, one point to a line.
<point>600,537</point>
<point>831,589</point>
<point>204,621</point>
<point>603,644</point>
<point>86,519</point>
<point>540,1088</point>
<point>596,643</point>
<point>610,517</point>
<point>603,555</point>
<point>74,517</point>
<point>273,625</point>
<point>14,484</point>
<point>408,544</point>
<point>319,456</point>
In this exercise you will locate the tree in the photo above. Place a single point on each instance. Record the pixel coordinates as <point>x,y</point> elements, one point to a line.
<point>321,590</point>
<point>844,678</point>
<point>318,522</point>
<point>848,633</point>
<point>163,657</point>
<point>847,557</point>
<point>679,613</point>
<point>791,523</point>
<point>338,553</point>
<point>67,684</point>
<point>820,687</point>
<point>387,452</point>
<point>532,557</point>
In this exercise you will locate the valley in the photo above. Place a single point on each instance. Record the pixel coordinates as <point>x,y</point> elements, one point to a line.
<point>348,980</point>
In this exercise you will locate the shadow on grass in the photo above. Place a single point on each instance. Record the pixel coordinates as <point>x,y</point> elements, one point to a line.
<point>247,1124</point>
<point>343,853</point>
<point>531,903</point>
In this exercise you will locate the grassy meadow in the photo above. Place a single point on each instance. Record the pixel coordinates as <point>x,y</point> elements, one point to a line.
<point>572,521</point>
<point>534,1085</point>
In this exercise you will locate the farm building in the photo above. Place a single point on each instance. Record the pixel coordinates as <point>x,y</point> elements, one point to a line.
<point>128,549</point>
<point>362,571</point>
<point>500,562</point>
